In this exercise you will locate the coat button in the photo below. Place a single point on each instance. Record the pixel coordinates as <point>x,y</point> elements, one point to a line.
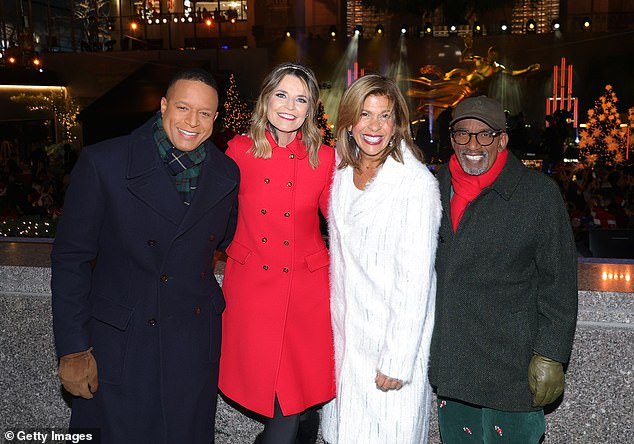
<point>151,243</point>
<point>197,311</point>
<point>212,237</point>
<point>164,278</point>
<point>285,270</point>
<point>263,211</point>
<point>287,214</point>
<point>151,322</point>
<point>286,243</point>
<point>264,240</point>
<point>267,180</point>
<point>203,274</point>
<point>266,267</point>
<point>289,184</point>
<point>292,156</point>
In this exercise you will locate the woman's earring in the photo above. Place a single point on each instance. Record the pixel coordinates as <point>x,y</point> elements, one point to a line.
<point>391,143</point>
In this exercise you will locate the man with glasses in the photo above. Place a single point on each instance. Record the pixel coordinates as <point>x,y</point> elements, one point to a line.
<point>506,304</point>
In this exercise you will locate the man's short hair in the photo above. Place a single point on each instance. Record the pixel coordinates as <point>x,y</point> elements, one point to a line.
<point>195,74</point>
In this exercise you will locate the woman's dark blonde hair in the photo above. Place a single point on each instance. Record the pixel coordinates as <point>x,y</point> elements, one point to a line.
<point>350,109</point>
<point>311,134</point>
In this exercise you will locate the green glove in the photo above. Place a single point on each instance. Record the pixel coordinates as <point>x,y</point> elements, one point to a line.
<point>545,379</point>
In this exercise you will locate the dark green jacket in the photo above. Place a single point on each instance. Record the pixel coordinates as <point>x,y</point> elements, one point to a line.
<point>507,286</point>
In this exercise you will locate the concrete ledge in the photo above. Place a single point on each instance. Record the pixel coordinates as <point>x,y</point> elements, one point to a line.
<point>31,394</point>
<point>598,405</point>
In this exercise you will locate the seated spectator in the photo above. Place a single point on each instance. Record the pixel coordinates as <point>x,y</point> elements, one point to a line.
<point>601,215</point>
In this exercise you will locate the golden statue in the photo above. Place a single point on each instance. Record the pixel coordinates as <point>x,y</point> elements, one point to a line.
<point>443,90</point>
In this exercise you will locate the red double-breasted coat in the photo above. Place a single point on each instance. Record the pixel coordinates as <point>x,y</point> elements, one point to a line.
<point>277,337</point>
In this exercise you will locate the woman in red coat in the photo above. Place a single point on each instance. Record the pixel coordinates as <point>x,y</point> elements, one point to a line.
<point>277,347</point>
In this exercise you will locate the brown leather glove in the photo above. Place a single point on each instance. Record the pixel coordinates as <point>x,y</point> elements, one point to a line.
<point>545,379</point>
<point>78,373</point>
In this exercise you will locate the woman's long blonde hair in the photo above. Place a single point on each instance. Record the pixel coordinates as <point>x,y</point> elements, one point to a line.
<point>350,109</point>
<point>311,135</point>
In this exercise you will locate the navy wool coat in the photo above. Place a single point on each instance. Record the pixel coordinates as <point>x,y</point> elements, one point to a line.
<point>132,277</point>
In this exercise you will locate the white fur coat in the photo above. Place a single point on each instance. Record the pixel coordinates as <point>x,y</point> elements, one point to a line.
<point>383,284</point>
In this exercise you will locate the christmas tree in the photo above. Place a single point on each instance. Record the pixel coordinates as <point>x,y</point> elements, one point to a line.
<point>63,106</point>
<point>322,123</point>
<point>237,113</point>
<point>602,140</point>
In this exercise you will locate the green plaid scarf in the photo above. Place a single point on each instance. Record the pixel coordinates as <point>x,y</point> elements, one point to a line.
<point>183,165</point>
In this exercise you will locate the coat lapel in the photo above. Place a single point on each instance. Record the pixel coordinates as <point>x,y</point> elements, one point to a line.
<point>338,192</point>
<point>444,184</point>
<point>148,179</point>
<point>213,185</point>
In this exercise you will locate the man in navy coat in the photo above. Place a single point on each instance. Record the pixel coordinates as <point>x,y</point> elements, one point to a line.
<point>136,306</point>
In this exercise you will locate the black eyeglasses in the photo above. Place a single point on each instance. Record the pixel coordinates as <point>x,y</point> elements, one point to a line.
<point>484,138</point>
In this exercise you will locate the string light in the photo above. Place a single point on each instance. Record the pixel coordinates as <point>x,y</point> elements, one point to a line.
<point>615,276</point>
<point>602,141</point>
<point>62,105</point>
<point>237,114</point>
<point>29,227</point>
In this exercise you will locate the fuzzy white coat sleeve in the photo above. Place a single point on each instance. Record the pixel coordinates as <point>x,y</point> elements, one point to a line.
<point>412,300</point>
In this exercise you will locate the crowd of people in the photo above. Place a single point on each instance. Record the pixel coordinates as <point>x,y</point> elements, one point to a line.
<point>33,184</point>
<point>461,282</point>
<point>597,199</point>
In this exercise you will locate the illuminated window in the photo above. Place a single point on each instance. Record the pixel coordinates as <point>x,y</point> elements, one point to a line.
<point>199,11</point>
<point>230,11</point>
<point>147,9</point>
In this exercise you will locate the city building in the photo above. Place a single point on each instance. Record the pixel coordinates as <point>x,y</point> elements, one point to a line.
<point>93,45</point>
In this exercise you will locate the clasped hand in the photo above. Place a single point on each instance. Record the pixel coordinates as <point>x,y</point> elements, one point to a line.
<point>385,383</point>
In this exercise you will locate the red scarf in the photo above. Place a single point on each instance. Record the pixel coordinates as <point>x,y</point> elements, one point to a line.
<point>467,187</point>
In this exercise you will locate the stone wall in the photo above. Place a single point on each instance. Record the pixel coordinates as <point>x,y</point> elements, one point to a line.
<point>598,405</point>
